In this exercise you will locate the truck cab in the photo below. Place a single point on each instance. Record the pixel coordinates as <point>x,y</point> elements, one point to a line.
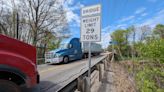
<point>17,65</point>
<point>69,49</point>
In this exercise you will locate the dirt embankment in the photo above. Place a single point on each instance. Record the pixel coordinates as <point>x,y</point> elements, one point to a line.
<point>122,80</point>
<point>117,79</point>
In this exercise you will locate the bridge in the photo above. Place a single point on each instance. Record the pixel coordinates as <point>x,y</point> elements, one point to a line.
<point>70,77</point>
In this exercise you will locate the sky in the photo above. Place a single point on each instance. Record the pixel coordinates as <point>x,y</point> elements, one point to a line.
<point>116,14</point>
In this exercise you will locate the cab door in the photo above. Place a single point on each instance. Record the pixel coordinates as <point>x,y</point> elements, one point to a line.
<point>76,52</point>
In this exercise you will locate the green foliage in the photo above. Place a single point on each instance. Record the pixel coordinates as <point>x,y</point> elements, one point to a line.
<point>159,30</point>
<point>149,75</point>
<point>122,46</point>
<point>119,36</point>
<point>147,79</point>
<point>144,81</point>
<point>52,42</point>
<point>153,49</point>
<point>53,45</point>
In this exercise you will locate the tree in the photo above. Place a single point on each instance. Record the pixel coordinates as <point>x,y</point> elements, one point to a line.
<point>6,20</point>
<point>35,18</point>
<point>132,29</point>
<point>49,42</point>
<point>9,20</point>
<point>159,30</point>
<point>43,15</point>
<point>119,36</point>
<point>145,32</point>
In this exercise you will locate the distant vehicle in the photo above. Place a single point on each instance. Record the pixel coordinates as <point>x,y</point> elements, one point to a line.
<point>17,65</point>
<point>71,49</point>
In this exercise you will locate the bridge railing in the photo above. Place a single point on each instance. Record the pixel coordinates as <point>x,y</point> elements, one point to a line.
<point>80,80</point>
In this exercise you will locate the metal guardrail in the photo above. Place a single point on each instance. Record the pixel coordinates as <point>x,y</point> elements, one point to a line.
<point>79,80</point>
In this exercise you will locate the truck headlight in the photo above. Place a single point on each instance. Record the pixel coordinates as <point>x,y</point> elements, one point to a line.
<point>57,55</point>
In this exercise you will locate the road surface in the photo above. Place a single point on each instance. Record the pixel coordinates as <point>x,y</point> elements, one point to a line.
<point>55,77</point>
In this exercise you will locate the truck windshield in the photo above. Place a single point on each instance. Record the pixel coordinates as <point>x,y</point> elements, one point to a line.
<point>63,46</point>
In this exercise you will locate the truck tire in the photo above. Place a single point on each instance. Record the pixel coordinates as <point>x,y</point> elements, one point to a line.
<point>8,86</point>
<point>66,59</point>
<point>85,56</point>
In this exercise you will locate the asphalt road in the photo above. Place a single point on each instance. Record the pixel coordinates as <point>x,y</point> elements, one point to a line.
<point>54,77</point>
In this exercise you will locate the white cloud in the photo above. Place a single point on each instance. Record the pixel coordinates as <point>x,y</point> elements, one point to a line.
<point>161,12</point>
<point>106,29</point>
<point>78,6</point>
<point>65,2</point>
<point>121,26</point>
<point>127,18</point>
<point>140,10</point>
<point>144,14</point>
<point>158,18</point>
<point>105,37</point>
<point>70,2</point>
<point>72,17</point>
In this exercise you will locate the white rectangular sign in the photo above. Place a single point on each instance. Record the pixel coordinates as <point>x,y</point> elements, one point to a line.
<point>90,29</point>
<point>91,10</point>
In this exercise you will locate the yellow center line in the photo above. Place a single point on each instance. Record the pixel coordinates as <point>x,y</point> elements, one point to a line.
<point>50,69</point>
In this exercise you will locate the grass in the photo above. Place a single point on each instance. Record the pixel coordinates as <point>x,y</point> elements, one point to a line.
<point>148,75</point>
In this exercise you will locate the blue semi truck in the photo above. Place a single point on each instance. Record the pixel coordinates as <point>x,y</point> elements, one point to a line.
<point>71,49</point>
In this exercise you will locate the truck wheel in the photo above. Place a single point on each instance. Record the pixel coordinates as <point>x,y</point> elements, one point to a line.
<point>85,56</point>
<point>8,86</point>
<point>65,59</point>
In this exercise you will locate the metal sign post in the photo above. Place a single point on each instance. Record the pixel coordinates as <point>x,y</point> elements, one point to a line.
<point>89,65</point>
<point>90,31</point>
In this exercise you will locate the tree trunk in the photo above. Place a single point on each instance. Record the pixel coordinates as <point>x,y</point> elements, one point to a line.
<point>120,53</point>
<point>35,39</point>
<point>4,30</point>
<point>44,50</point>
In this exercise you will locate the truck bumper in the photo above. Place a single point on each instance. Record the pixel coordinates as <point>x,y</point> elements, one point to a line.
<point>54,60</point>
<point>33,80</point>
<point>38,78</point>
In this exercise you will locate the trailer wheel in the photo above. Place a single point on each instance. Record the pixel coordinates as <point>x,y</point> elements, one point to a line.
<point>8,86</point>
<point>66,59</point>
<point>85,56</point>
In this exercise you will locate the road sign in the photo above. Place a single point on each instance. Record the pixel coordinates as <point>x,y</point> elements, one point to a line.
<point>91,10</point>
<point>91,24</point>
<point>90,29</point>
